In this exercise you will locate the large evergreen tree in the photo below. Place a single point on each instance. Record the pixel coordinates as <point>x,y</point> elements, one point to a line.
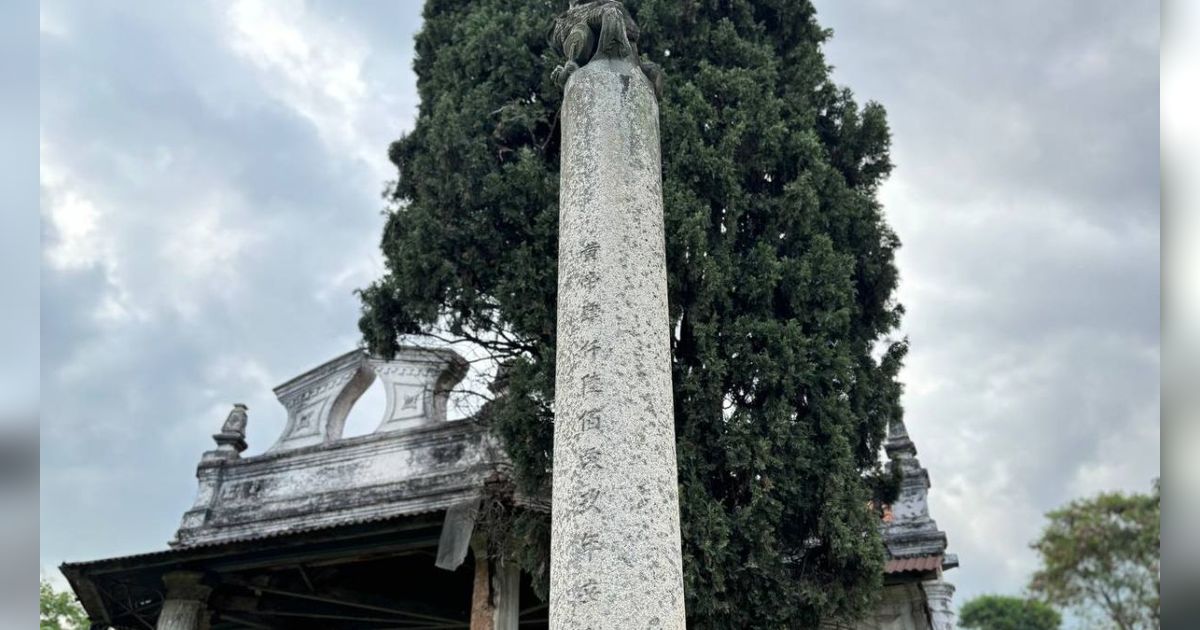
<point>780,266</point>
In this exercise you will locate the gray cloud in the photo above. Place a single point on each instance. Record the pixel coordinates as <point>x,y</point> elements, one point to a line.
<point>210,194</point>
<point>1026,194</point>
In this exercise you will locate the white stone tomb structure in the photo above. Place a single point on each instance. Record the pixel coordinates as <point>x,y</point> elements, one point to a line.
<point>324,531</point>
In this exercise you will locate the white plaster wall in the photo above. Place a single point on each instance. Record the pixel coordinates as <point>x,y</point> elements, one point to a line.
<point>902,608</point>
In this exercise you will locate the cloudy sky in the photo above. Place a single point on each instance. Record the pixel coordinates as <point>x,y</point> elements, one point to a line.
<point>210,191</point>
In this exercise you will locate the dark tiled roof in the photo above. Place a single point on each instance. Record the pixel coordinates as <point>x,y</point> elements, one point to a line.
<point>181,551</point>
<point>915,563</point>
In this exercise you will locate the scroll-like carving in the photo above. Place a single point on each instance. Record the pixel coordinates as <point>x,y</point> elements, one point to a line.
<point>319,400</point>
<point>417,383</point>
<point>598,29</point>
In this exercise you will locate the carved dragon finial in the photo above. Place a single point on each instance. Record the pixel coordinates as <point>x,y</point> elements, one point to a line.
<point>598,29</point>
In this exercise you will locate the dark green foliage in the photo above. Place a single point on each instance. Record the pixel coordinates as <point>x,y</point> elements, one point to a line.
<point>781,280</point>
<point>1000,612</point>
<point>1101,557</point>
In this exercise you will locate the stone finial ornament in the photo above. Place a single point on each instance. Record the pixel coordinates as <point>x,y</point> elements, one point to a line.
<point>236,421</point>
<point>598,29</point>
<point>233,433</point>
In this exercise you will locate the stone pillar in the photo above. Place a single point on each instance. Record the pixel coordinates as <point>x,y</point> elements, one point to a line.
<point>940,595</point>
<point>506,588</point>
<point>482,612</point>
<point>495,595</point>
<point>615,542</point>
<point>186,604</point>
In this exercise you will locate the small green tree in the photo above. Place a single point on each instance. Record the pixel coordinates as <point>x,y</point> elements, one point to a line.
<point>1101,555</point>
<point>1004,612</point>
<point>59,610</point>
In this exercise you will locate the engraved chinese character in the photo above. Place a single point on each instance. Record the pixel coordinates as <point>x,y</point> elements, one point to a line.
<point>588,543</point>
<point>589,420</point>
<point>585,592</point>
<point>589,279</point>
<point>590,348</point>
<point>591,383</point>
<point>589,312</point>
<point>586,501</point>
<point>590,250</point>
<point>589,459</point>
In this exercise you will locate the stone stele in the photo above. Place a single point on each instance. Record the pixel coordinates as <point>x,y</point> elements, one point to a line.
<point>615,542</point>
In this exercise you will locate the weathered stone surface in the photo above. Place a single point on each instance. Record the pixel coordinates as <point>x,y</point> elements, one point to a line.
<point>458,528</point>
<point>506,591</point>
<point>615,542</point>
<point>911,531</point>
<point>231,441</point>
<point>184,607</point>
<point>417,382</point>
<point>368,477</point>
<point>180,614</point>
<point>419,463</point>
<point>941,604</point>
<point>483,613</point>
<point>901,607</point>
<point>496,597</point>
<point>319,400</point>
